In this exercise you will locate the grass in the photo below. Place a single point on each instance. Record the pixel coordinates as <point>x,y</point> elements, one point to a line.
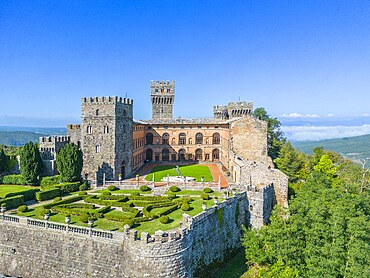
<point>195,171</point>
<point>5,189</point>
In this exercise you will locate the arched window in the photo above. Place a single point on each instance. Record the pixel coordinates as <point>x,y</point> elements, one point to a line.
<point>165,139</point>
<point>182,153</point>
<point>216,138</point>
<point>165,155</point>
<point>97,112</point>
<point>199,138</point>
<point>173,141</point>
<point>89,129</point>
<point>149,138</point>
<point>149,154</point>
<point>198,154</point>
<point>182,139</point>
<point>215,154</point>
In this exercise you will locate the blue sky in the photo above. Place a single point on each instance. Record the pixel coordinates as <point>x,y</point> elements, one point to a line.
<point>295,58</point>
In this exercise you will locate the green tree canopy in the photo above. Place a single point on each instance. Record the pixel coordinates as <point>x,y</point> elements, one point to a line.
<point>69,163</point>
<point>31,163</point>
<point>275,137</point>
<point>3,161</point>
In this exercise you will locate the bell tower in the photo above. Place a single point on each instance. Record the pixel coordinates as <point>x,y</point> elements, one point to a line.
<point>162,94</point>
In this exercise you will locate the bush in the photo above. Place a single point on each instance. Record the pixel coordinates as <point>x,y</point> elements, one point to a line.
<point>164,219</point>
<point>84,186</point>
<point>171,195</point>
<point>48,194</point>
<point>28,195</point>
<point>207,190</point>
<point>145,188</point>
<point>106,193</point>
<point>13,179</point>
<point>45,181</point>
<point>22,208</point>
<point>129,221</point>
<point>185,206</point>
<point>133,194</point>
<point>57,199</point>
<point>174,189</point>
<point>82,193</point>
<point>112,188</point>
<point>64,201</point>
<point>84,218</point>
<point>204,196</point>
<point>42,212</point>
<point>13,202</point>
<point>68,187</point>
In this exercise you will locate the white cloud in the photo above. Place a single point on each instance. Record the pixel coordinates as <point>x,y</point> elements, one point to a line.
<point>297,115</point>
<point>315,133</point>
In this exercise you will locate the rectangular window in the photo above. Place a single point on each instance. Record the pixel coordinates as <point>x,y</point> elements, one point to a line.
<point>98,149</point>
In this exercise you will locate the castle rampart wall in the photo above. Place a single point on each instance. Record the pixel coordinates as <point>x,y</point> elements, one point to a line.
<point>31,248</point>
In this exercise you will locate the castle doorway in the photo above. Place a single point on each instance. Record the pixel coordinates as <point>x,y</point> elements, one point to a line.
<point>149,154</point>
<point>182,154</point>
<point>165,155</point>
<point>123,168</point>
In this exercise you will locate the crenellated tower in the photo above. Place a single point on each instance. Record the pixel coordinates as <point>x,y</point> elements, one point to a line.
<point>106,137</point>
<point>162,95</point>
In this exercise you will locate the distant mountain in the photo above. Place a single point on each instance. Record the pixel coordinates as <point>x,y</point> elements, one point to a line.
<point>19,136</point>
<point>355,148</point>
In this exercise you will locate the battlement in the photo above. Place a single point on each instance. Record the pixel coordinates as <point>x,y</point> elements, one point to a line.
<point>233,110</point>
<point>54,139</point>
<point>161,83</point>
<point>73,126</point>
<point>107,100</point>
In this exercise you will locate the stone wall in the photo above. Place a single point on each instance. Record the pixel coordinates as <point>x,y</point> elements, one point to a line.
<point>29,249</point>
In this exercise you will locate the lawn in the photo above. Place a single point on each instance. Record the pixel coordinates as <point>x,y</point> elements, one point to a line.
<point>190,192</point>
<point>5,189</point>
<point>123,191</point>
<point>195,171</point>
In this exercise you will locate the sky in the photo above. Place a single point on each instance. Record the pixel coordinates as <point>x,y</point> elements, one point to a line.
<point>298,59</point>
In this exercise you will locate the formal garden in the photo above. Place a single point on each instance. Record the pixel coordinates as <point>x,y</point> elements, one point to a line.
<point>199,172</point>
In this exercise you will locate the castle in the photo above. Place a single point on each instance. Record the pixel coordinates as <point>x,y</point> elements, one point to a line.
<point>115,145</point>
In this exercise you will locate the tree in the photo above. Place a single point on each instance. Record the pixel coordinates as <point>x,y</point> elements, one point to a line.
<point>3,161</point>
<point>31,163</point>
<point>69,163</point>
<point>275,137</point>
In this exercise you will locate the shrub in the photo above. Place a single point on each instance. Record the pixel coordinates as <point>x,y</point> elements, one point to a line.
<point>204,196</point>
<point>145,188</point>
<point>57,199</point>
<point>69,162</point>
<point>82,193</point>
<point>129,221</point>
<point>48,194</point>
<point>171,195</point>
<point>207,190</point>
<point>185,206</point>
<point>31,163</point>
<point>13,179</point>
<point>64,201</point>
<point>68,187</point>
<point>84,218</point>
<point>28,195</point>
<point>135,194</point>
<point>22,208</point>
<point>174,189</point>
<point>45,181</point>
<point>164,219</point>
<point>42,212</point>
<point>13,202</point>
<point>84,186</point>
<point>106,193</point>
<point>112,188</point>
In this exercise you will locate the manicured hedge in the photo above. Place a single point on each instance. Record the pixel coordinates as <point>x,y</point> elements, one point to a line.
<point>164,219</point>
<point>119,216</point>
<point>13,179</point>
<point>149,198</point>
<point>64,201</point>
<point>174,189</point>
<point>28,195</point>
<point>12,202</point>
<point>68,187</point>
<point>207,190</point>
<point>52,180</point>
<point>48,194</point>
<point>145,188</point>
<point>171,207</point>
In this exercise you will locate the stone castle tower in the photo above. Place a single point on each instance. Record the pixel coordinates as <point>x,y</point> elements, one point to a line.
<point>162,95</point>
<point>106,137</point>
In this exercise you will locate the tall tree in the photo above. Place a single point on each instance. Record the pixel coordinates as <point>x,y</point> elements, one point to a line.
<point>3,161</point>
<point>31,163</point>
<point>69,163</point>
<point>275,137</point>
